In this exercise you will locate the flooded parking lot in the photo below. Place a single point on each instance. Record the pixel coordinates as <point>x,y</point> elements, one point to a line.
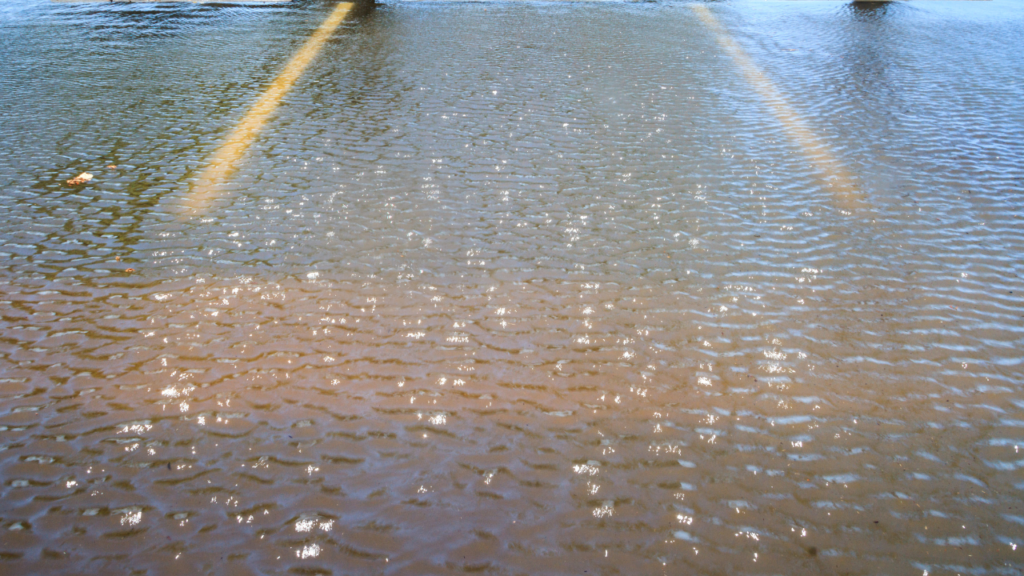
<point>513,288</point>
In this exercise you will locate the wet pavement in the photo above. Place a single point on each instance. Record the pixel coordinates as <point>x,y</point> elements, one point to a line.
<point>514,288</point>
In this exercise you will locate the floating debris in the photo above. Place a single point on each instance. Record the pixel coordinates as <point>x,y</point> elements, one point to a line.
<point>80,179</point>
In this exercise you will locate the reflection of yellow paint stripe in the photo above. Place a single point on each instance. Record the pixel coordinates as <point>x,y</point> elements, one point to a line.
<point>838,179</point>
<point>222,163</point>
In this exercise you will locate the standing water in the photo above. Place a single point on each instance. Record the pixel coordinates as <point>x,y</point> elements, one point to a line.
<point>514,288</point>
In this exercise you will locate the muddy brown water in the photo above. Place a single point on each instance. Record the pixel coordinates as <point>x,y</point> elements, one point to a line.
<point>513,288</point>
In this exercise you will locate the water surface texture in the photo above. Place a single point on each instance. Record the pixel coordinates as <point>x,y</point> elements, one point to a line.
<point>514,288</point>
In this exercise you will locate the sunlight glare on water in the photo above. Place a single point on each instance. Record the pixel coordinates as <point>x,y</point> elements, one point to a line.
<point>514,288</point>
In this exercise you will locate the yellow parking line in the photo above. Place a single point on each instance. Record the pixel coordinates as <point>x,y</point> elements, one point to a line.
<point>835,175</point>
<point>223,162</point>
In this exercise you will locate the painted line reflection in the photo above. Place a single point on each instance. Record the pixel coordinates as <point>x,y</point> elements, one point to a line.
<point>836,177</point>
<point>223,162</point>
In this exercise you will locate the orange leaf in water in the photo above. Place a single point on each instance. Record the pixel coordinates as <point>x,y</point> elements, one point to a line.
<point>80,179</point>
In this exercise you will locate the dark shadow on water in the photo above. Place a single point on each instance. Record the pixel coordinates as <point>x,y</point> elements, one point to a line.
<point>873,11</point>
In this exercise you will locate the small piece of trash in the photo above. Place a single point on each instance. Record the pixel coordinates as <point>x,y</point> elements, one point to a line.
<point>80,179</point>
<point>117,258</point>
<point>130,270</point>
<point>112,166</point>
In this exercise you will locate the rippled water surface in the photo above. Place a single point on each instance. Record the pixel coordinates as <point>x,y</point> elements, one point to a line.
<point>514,288</point>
